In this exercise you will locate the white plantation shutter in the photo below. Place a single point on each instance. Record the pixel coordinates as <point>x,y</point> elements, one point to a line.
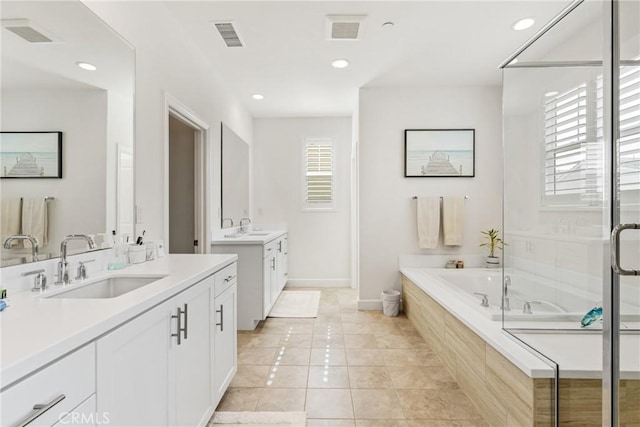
<point>574,141</point>
<point>318,191</point>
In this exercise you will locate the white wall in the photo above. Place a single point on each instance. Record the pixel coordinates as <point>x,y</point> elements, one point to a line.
<point>319,242</point>
<point>387,211</point>
<point>80,203</point>
<point>167,62</point>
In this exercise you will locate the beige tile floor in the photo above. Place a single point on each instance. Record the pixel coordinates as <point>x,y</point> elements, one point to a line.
<point>346,368</point>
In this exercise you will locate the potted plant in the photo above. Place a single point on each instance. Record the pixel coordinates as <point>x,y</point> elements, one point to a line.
<point>493,242</point>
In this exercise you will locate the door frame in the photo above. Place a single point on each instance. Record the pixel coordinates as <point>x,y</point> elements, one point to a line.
<point>202,205</point>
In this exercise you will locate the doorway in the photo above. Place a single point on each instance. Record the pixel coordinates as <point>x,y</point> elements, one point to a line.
<point>186,178</point>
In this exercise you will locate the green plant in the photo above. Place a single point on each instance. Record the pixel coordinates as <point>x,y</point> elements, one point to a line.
<point>493,241</point>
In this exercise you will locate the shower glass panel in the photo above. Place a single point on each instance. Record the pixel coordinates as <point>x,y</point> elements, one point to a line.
<point>566,186</point>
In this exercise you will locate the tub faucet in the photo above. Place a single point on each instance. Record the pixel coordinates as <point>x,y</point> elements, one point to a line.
<point>485,299</point>
<point>526,308</point>
<point>34,243</point>
<point>507,303</point>
<point>63,273</point>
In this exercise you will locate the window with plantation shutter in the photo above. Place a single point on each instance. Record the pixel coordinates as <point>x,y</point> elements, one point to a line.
<point>319,176</point>
<point>574,142</point>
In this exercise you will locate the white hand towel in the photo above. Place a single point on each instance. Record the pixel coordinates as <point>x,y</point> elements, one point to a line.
<point>34,219</point>
<point>428,215</point>
<point>10,219</point>
<point>453,220</point>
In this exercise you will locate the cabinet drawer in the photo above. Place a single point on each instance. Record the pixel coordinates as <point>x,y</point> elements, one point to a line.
<point>225,278</point>
<point>72,377</point>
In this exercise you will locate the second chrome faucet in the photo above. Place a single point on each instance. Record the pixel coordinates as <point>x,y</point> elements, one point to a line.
<point>63,265</point>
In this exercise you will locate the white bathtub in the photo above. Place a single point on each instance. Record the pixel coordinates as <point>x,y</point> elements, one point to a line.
<point>549,301</point>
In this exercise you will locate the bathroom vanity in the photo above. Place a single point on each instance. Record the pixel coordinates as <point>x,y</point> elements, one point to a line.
<point>159,353</point>
<point>262,271</point>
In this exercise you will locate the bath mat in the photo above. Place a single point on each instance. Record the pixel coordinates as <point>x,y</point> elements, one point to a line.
<point>296,304</point>
<point>257,419</point>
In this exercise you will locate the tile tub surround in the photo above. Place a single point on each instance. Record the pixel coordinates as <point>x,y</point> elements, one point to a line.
<point>346,368</point>
<point>504,394</point>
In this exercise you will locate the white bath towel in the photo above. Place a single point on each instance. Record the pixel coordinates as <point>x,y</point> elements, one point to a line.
<point>34,219</point>
<point>453,220</point>
<point>428,216</point>
<point>10,219</point>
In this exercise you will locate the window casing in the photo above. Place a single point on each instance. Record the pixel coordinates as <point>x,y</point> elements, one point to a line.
<point>319,178</point>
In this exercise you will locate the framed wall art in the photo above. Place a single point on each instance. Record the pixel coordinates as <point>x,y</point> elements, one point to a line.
<point>430,153</point>
<point>31,154</point>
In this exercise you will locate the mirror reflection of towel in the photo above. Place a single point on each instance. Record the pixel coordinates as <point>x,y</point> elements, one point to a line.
<point>11,216</point>
<point>453,220</point>
<point>34,219</point>
<point>428,216</point>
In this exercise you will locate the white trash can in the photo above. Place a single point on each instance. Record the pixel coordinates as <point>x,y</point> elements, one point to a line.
<point>390,303</point>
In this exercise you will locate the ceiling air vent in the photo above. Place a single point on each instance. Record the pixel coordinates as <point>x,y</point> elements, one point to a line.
<point>344,27</point>
<point>228,34</point>
<point>27,30</point>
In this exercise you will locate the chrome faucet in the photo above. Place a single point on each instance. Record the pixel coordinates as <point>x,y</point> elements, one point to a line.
<point>242,220</point>
<point>227,219</point>
<point>507,302</point>
<point>485,299</point>
<point>34,243</point>
<point>526,308</point>
<point>63,273</point>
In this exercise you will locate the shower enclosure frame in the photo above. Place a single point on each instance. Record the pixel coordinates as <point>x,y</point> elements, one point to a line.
<point>611,124</point>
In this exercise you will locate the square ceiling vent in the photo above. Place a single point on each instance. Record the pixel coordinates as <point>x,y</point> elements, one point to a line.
<point>27,30</point>
<point>344,27</point>
<point>228,33</point>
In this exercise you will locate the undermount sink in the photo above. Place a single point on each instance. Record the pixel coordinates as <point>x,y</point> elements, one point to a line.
<point>107,288</point>
<point>258,234</point>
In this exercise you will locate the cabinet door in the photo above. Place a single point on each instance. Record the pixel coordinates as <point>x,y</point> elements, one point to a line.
<point>266,278</point>
<point>224,345</point>
<point>283,262</point>
<point>192,356</point>
<point>133,370</point>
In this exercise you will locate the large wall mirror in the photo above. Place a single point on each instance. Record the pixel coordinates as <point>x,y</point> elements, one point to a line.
<point>44,88</point>
<point>235,178</point>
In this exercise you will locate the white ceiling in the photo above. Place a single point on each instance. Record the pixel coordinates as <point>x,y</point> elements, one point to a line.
<point>287,58</point>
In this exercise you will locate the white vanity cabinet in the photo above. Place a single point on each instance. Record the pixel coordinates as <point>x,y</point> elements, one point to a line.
<point>53,393</point>
<point>156,369</point>
<point>262,273</point>
<point>224,344</point>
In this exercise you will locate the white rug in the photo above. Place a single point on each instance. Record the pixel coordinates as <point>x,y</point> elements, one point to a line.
<point>296,304</point>
<point>259,419</point>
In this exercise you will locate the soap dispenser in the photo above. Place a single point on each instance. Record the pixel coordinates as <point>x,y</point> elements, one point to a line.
<point>117,257</point>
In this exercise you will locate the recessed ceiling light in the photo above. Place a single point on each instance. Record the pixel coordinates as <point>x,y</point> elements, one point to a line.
<point>86,66</point>
<point>552,93</point>
<point>523,24</point>
<point>257,96</point>
<point>388,24</point>
<point>340,63</point>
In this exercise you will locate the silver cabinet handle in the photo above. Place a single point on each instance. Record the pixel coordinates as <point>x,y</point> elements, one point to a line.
<point>178,317</point>
<point>186,319</point>
<point>39,409</point>
<point>221,311</point>
<point>280,246</point>
<point>273,263</point>
<point>229,278</point>
<point>615,249</point>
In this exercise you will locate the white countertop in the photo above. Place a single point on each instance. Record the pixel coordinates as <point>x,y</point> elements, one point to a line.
<point>36,330</point>
<point>254,237</point>
<point>578,355</point>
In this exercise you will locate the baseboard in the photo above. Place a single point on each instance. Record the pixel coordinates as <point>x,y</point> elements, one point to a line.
<point>370,304</point>
<point>319,283</point>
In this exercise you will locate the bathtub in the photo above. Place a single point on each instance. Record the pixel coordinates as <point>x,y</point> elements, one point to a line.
<point>548,300</point>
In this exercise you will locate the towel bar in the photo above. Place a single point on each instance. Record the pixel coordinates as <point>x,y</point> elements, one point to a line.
<point>416,197</point>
